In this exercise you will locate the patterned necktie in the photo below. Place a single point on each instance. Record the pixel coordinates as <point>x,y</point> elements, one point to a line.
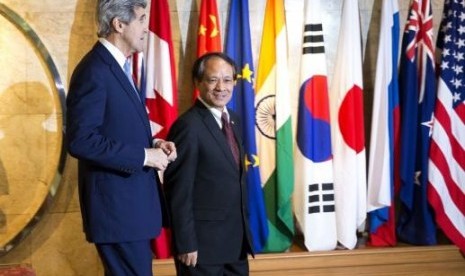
<point>127,71</point>
<point>227,131</point>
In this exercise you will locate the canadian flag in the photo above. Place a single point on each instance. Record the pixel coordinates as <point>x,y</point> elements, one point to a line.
<point>161,98</point>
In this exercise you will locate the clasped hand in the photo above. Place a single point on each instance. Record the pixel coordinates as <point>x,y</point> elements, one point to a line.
<point>161,155</point>
<point>189,259</point>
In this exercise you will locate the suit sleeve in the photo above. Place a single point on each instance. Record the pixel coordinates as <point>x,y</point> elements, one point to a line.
<point>86,107</point>
<point>179,181</point>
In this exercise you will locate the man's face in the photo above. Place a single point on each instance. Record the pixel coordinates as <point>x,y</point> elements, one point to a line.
<point>134,32</point>
<point>217,83</point>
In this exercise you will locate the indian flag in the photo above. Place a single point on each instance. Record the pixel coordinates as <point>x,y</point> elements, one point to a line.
<point>274,131</point>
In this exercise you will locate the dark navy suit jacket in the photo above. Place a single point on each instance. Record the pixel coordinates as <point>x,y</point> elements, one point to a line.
<point>205,190</point>
<point>107,131</point>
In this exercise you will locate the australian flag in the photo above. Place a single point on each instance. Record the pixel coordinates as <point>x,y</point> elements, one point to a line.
<point>238,47</point>
<point>417,90</point>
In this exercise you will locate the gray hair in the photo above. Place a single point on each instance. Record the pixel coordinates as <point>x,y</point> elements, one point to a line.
<point>107,10</point>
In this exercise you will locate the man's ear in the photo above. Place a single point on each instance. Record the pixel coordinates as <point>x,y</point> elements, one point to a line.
<point>117,25</point>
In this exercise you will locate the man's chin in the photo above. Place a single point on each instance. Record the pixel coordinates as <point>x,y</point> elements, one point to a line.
<point>220,103</point>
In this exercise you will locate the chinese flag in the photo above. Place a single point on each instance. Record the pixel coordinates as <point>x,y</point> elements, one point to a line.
<point>208,36</point>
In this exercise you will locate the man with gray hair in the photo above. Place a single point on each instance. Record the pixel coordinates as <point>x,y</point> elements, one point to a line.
<point>108,131</point>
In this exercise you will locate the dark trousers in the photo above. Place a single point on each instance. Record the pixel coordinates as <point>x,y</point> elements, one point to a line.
<point>239,268</point>
<point>126,259</point>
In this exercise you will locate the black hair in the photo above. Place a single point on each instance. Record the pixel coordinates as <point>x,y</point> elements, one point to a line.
<point>198,69</point>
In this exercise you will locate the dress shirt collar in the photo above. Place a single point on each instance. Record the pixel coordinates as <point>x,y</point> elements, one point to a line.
<point>215,112</point>
<point>114,51</point>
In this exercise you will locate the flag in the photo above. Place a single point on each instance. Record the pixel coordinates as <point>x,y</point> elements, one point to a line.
<point>446,175</point>
<point>161,88</point>
<point>238,47</point>
<point>385,126</point>
<point>417,91</point>
<point>273,125</point>
<point>314,189</point>
<point>208,36</point>
<point>348,130</point>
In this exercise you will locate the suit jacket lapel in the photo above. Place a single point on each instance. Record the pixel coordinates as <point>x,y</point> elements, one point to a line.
<point>129,89</point>
<point>215,131</point>
<point>126,85</point>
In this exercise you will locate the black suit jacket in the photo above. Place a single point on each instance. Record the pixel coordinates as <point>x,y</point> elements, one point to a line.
<point>206,191</point>
<point>107,130</point>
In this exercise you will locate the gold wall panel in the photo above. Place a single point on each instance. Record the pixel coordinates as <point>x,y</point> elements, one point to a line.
<point>31,128</point>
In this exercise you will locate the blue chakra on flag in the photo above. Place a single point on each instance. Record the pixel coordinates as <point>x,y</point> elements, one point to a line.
<point>265,117</point>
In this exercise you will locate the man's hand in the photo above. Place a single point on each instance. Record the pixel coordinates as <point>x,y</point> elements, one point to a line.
<point>189,259</point>
<point>156,158</point>
<point>168,148</point>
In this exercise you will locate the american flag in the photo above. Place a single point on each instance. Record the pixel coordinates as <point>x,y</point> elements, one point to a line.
<point>446,190</point>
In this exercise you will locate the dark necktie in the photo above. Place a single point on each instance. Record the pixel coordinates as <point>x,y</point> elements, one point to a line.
<point>227,131</point>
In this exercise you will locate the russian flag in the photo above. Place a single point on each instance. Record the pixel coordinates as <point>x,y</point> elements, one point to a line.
<point>384,132</point>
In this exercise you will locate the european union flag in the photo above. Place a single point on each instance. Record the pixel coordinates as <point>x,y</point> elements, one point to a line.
<point>238,47</point>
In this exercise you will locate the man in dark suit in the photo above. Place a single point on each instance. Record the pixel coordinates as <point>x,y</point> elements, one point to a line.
<point>109,132</point>
<point>205,186</point>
